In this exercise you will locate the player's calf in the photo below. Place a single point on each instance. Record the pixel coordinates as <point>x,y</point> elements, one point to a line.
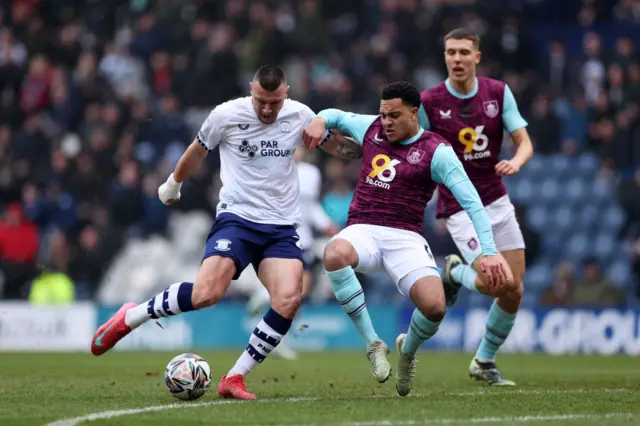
<point>212,281</point>
<point>428,295</point>
<point>339,260</point>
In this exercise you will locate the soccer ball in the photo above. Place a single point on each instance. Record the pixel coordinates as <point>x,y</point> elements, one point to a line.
<point>187,377</point>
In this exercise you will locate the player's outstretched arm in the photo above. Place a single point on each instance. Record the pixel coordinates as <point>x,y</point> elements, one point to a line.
<point>208,138</point>
<point>352,125</point>
<point>340,145</point>
<point>517,127</point>
<point>190,161</point>
<point>447,170</point>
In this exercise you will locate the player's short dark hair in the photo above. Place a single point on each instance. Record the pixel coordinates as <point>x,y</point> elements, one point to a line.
<point>270,77</point>
<point>464,34</point>
<point>404,90</point>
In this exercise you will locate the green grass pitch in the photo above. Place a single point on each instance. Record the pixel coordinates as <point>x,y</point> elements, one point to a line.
<point>331,388</point>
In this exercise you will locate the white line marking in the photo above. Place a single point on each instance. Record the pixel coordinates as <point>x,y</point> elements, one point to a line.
<point>118,413</point>
<point>483,420</point>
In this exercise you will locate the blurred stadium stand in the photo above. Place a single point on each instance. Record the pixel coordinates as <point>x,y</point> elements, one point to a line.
<point>98,98</point>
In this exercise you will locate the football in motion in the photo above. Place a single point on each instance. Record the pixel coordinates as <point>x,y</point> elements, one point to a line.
<point>188,376</point>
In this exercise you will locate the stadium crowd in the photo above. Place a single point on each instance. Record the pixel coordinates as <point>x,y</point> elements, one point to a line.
<point>98,99</point>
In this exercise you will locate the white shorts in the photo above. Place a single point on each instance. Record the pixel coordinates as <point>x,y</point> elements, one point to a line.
<point>506,231</point>
<point>402,254</point>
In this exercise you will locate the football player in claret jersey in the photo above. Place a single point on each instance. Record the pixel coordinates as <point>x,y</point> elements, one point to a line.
<point>256,221</point>
<point>401,166</point>
<point>472,113</point>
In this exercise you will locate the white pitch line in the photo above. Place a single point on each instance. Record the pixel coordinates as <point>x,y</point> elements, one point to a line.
<point>489,420</point>
<point>119,413</point>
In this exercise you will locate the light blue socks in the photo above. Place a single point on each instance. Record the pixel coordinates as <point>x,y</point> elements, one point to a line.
<point>499,325</point>
<point>465,275</point>
<point>420,329</point>
<point>349,293</point>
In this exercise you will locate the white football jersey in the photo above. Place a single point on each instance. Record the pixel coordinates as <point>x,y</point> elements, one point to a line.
<point>313,215</point>
<point>258,172</point>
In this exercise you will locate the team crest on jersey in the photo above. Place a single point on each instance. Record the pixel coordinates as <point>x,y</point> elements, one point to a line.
<point>415,155</point>
<point>491,108</point>
<point>243,126</point>
<point>285,126</point>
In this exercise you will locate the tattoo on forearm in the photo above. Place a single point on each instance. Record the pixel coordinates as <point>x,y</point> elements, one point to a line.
<point>349,151</point>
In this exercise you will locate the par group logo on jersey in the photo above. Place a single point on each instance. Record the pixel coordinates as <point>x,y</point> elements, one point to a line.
<point>491,108</point>
<point>415,155</point>
<point>223,245</point>
<point>245,146</point>
<point>285,126</point>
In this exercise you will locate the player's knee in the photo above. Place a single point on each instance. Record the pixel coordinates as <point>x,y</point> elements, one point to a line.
<point>339,254</point>
<point>435,310</point>
<point>517,291</point>
<point>286,304</point>
<point>211,284</point>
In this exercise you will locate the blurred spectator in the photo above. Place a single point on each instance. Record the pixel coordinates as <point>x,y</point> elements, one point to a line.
<point>125,199</point>
<point>594,289</point>
<point>559,293</point>
<point>545,126</point>
<point>18,250</point>
<point>52,288</point>
<point>556,70</point>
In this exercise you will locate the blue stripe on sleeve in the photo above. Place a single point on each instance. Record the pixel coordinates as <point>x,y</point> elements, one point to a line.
<point>447,169</point>
<point>355,125</point>
<point>511,118</point>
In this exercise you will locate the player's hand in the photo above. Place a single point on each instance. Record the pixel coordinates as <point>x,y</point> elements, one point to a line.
<point>313,134</point>
<point>494,271</point>
<point>507,168</point>
<point>169,192</point>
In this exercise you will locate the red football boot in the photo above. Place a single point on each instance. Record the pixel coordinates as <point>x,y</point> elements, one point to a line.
<point>111,331</point>
<point>233,387</point>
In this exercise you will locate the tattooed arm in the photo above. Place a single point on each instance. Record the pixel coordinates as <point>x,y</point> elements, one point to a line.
<point>342,146</point>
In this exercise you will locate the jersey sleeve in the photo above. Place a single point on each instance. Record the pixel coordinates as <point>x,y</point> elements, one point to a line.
<point>355,125</point>
<point>447,170</point>
<point>511,118</point>
<point>211,131</point>
<point>423,119</point>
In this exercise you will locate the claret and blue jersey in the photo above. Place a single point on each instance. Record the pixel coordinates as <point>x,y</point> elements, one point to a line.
<point>473,123</point>
<point>397,180</point>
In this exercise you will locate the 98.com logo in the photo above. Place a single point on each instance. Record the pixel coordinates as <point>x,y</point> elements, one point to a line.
<point>383,170</point>
<point>475,143</point>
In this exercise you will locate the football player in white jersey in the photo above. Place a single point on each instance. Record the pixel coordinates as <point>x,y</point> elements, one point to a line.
<point>256,221</point>
<point>313,218</point>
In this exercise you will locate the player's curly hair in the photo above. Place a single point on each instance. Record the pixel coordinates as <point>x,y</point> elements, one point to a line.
<point>404,90</point>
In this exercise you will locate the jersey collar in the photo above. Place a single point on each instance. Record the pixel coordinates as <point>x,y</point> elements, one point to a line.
<point>413,138</point>
<point>460,95</point>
